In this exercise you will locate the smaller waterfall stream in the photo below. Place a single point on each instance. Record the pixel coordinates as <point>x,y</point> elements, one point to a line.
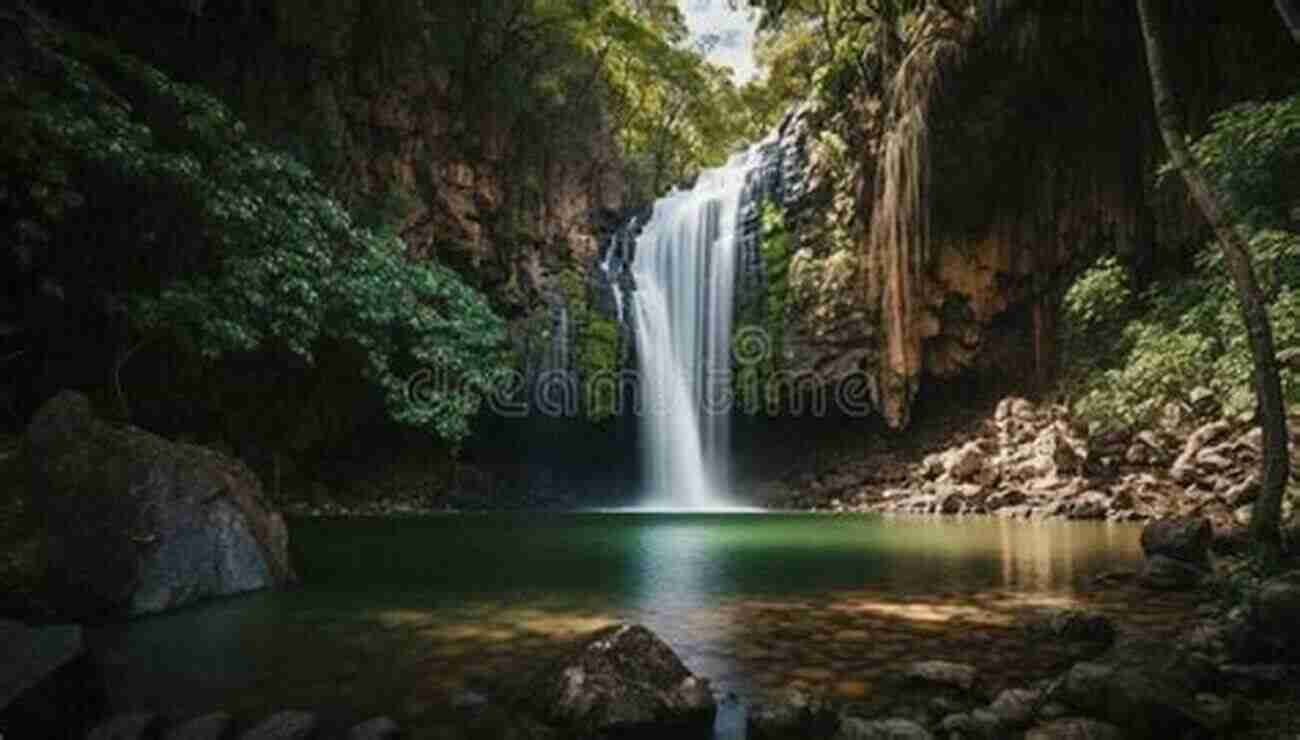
<point>684,271</point>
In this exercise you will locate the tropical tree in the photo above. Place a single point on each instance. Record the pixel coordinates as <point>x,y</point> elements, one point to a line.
<point>1265,521</point>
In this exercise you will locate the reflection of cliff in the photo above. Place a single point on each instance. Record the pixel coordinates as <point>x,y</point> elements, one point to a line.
<point>1005,153</point>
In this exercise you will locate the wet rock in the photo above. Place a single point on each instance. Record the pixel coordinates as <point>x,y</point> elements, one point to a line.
<point>855,728</point>
<point>1016,708</point>
<point>796,715</point>
<point>140,726</point>
<point>1164,573</point>
<point>1084,633</point>
<point>1266,629</point>
<point>283,726</point>
<point>622,679</point>
<point>144,525</point>
<point>1218,713</point>
<point>941,674</point>
<point>1075,728</point>
<point>379,728</point>
<point>979,724</point>
<point>208,727</point>
<point>1261,678</point>
<point>1182,538</point>
<point>1143,700</point>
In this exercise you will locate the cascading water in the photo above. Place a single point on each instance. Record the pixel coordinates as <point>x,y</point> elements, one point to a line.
<point>684,271</point>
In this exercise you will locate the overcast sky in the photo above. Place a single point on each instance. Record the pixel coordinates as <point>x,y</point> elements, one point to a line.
<point>734,27</point>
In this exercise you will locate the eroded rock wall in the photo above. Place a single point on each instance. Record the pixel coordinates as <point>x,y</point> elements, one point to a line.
<point>1014,149</point>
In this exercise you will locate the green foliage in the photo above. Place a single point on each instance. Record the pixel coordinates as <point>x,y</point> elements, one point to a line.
<point>1094,311</point>
<point>1133,357</point>
<point>232,248</point>
<point>596,355</point>
<point>755,379</point>
<point>1252,153</point>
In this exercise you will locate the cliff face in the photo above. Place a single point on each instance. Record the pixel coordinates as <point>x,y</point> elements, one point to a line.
<point>1016,148</point>
<point>412,114</point>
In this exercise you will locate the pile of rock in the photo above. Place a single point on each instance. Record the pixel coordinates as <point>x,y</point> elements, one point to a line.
<point>1122,687</point>
<point>1037,461</point>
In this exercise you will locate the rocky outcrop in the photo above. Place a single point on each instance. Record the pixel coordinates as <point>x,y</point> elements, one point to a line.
<point>966,282</point>
<point>1035,461</point>
<point>141,525</point>
<point>621,681</point>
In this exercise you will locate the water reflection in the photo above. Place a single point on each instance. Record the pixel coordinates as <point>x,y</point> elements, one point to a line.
<point>398,617</point>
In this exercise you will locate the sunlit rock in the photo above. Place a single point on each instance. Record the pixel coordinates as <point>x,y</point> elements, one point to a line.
<point>622,679</point>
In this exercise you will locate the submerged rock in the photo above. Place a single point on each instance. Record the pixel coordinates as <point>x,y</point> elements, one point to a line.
<point>138,726</point>
<point>284,726</point>
<point>214,726</point>
<point>796,715</point>
<point>143,525</point>
<point>1075,728</point>
<point>1182,538</point>
<point>942,674</point>
<point>379,728</point>
<point>623,680</point>
<point>855,728</point>
<point>1177,552</point>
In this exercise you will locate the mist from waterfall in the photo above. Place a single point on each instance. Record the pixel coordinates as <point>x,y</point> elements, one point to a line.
<point>685,273</point>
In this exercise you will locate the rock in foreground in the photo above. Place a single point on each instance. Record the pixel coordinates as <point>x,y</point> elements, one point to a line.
<point>623,681</point>
<point>144,525</point>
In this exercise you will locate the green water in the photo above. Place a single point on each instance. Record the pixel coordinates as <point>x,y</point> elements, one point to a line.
<point>398,616</point>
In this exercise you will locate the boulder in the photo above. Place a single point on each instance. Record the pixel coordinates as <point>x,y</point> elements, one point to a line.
<point>1177,552</point>
<point>622,680</point>
<point>1164,573</point>
<point>796,715</point>
<point>141,726</point>
<point>1085,634</point>
<point>1144,699</point>
<point>977,725</point>
<point>215,726</point>
<point>1075,728</point>
<point>941,674</point>
<point>143,525</point>
<point>1016,708</point>
<point>1268,630</point>
<point>1182,538</point>
<point>379,728</point>
<point>284,726</point>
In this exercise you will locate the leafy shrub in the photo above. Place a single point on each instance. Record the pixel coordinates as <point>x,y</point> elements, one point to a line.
<point>148,195</point>
<point>1188,333</point>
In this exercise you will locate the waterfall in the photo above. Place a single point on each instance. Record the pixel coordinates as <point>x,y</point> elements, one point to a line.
<point>684,270</point>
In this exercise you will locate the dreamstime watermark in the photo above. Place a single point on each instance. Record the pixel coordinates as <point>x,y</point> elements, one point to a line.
<point>747,385</point>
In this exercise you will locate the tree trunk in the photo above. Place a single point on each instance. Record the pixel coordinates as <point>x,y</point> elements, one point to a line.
<point>1265,520</point>
<point>1290,16</point>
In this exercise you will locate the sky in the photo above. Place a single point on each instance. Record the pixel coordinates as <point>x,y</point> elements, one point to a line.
<point>734,27</point>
